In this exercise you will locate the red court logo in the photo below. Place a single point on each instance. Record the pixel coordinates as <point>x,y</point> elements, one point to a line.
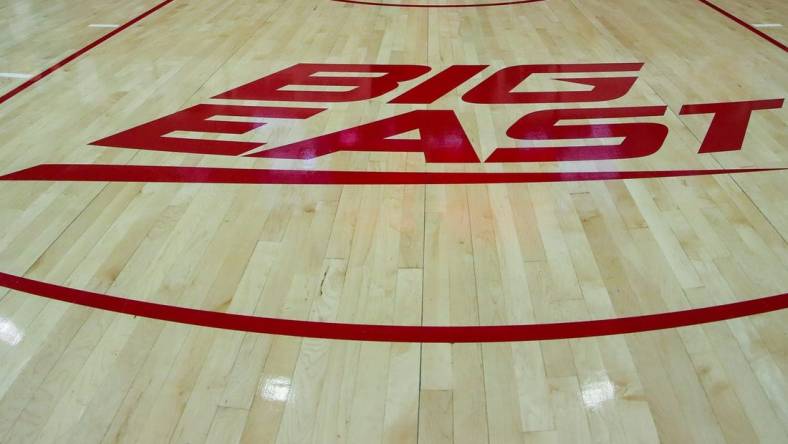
<point>442,139</point>
<point>307,90</point>
<point>442,136</point>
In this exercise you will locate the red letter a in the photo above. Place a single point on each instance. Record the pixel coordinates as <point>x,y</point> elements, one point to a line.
<point>442,139</point>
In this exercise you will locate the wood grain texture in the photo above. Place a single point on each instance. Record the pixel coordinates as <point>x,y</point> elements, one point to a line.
<point>435,255</point>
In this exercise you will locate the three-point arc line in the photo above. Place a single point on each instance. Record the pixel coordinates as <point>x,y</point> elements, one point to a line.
<point>365,332</point>
<point>396,333</point>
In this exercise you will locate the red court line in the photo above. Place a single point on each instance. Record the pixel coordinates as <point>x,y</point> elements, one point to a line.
<point>396,333</point>
<point>33,80</point>
<point>455,5</point>
<point>741,22</point>
<point>172,174</point>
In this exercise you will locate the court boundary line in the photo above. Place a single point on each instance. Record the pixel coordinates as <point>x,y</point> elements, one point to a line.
<point>75,55</point>
<point>80,52</point>
<point>397,333</point>
<point>745,25</point>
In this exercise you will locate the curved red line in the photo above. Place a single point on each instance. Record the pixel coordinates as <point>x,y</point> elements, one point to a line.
<point>455,5</point>
<point>30,82</point>
<point>173,174</point>
<point>396,333</point>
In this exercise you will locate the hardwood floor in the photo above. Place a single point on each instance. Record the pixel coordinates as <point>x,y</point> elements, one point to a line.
<point>408,223</point>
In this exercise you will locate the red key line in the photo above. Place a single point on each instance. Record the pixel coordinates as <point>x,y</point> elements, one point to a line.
<point>30,82</point>
<point>396,333</point>
<point>173,174</point>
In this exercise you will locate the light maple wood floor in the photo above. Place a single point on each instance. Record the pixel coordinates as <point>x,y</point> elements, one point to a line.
<point>389,254</point>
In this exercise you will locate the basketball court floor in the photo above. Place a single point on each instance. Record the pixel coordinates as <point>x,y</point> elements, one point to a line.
<point>319,221</point>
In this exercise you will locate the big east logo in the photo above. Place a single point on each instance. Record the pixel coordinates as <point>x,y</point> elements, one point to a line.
<point>442,137</point>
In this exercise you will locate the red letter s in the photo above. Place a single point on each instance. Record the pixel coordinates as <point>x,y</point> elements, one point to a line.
<point>640,139</point>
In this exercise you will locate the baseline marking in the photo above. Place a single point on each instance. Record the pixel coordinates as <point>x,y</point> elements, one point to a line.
<point>81,51</point>
<point>396,333</point>
<point>741,22</point>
